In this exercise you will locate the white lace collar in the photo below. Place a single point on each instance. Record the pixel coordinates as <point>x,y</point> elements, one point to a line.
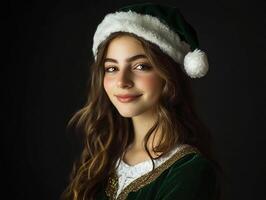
<point>128,173</point>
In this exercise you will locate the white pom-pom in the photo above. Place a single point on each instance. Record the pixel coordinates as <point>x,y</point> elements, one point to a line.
<point>196,64</point>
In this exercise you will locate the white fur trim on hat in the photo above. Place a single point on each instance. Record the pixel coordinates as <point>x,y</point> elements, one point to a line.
<point>152,29</point>
<point>145,26</point>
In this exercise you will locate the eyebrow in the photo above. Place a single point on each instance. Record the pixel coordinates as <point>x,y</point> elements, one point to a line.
<point>127,60</point>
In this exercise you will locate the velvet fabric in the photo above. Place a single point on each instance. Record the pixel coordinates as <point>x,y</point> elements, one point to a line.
<point>192,177</point>
<point>170,16</point>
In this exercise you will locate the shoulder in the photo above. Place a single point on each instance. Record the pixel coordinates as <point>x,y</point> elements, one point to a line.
<point>193,163</point>
<point>188,159</point>
<point>193,176</point>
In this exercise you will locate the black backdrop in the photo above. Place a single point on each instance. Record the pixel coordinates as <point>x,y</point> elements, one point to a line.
<point>45,82</point>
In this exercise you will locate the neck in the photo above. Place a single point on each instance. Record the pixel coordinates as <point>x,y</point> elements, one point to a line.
<point>142,123</point>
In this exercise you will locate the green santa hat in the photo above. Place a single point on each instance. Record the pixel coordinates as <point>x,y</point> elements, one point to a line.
<point>161,25</point>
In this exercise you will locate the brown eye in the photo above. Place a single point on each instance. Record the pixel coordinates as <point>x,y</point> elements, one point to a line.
<point>143,67</point>
<point>109,69</point>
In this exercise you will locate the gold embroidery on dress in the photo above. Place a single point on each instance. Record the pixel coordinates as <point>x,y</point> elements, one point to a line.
<point>112,186</point>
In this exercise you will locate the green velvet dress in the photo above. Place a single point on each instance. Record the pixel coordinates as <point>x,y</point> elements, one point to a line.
<point>186,175</point>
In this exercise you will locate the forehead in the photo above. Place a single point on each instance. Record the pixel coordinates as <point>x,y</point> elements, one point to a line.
<point>123,47</point>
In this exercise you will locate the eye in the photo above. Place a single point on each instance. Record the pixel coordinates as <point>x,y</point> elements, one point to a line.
<point>109,69</point>
<point>143,66</point>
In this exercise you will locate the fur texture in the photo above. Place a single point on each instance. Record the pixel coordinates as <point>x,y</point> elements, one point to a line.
<point>145,26</point>
<point>152,29</point>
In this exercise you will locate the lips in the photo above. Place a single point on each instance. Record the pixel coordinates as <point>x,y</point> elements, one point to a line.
<point>127,98</point>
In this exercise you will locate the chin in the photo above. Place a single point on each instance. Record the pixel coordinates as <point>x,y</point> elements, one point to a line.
<point>131,112</point>
<point>128,114</point>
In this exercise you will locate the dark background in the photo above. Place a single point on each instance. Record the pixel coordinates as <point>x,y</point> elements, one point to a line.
<point>45,80</point>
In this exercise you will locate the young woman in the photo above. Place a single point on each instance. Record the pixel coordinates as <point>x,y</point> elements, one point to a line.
<point>142,136</point>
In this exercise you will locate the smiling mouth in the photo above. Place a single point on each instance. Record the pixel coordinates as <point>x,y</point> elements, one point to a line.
<point>127,99</point>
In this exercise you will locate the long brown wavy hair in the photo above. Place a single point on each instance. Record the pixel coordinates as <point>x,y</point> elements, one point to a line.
<point>107,134</point>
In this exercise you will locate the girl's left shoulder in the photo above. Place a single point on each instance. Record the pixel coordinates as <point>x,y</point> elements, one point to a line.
<point>193,162</point>
<point>191,177</point>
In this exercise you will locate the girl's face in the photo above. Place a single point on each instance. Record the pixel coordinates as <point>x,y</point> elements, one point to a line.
<point>129,72</point>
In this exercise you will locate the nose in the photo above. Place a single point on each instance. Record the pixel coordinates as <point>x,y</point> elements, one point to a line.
<point>124,80</point>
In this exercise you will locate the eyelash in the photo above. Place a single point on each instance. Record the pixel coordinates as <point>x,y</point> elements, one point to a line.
<point>145,66</point>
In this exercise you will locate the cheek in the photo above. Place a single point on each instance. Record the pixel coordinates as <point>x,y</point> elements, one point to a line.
<point>107,83</point>
<point>151,83</point>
